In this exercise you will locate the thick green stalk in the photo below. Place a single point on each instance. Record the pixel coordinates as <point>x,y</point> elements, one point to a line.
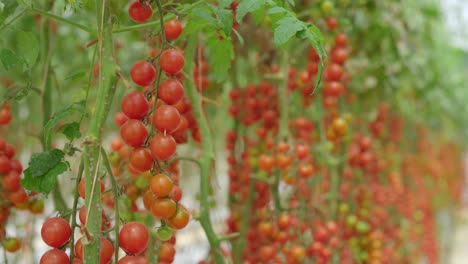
<point>46,93</point>
<point>206,159</point>
<point>92,150</point>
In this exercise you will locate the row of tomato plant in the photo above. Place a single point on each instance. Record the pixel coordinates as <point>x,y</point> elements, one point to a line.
<point>330,159</point>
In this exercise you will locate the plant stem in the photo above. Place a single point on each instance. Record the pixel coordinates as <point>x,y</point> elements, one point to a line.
<point>76,196</point>
<point>115,191</point>
<point>91,152</point>
<point>62,19</point>
<point>46,95</point>
<point>207,156</point>
<point>239,246</point>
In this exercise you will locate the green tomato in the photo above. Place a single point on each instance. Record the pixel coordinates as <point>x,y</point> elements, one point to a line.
<point>164,233</point>
<point>327,7</point>
<point>351,220</point>
<point>362,227</point>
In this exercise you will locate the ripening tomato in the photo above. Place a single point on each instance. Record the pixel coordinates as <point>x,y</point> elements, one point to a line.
<point>166,118</point>
<point>140,12</point>
<point>133,238</point>
<point>143,73</point>
<point>133,133</point>
<point>163,208</point>
<point>135,105</point>
<point>54,256</point>
<point>171,91</point>
<point>11,244</point>
<point>167,252</point>
<point>161,185</point>
<point>180,219</point>
<point>19,196</point>
<point>172,29</point>
<point>55,232</point>
<point>171,61</point>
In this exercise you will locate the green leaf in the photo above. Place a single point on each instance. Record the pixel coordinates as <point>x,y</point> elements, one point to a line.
<point>71,130</point>
<point>42,162</point>
<point>224,3</point>
<point>225,17</point>
<point>7,8</point>
<point>46,182</point>
<point>8,58</point>
<point>286,29</point>
<point>76,108</point>
<point>247,6</point>
<point>221,52</point>
<point>204,15</point>
<point>27,47</point>
<point>258,15</point>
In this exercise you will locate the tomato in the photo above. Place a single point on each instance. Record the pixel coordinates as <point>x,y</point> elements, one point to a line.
<point>9,151</point>
<point>143,73</point>
<point>55,232</point>
<point>162,147</point>
<point>166,118</point>
<point>4,164</point>
<point>332,23</point>
<point>163,208</point>
<point>141,159</point>
<point>266,162</point>
<point>54,256</point>
<point>36,206</point>
<point>167,252</point>
<point>11,244</point>
<point>133,260</point>
<point>120,118</point>
<point>341,40</point>
<point>11,181</point>
<point>176,193</point>
<point>333,89</point>
<point>135,105</point>
<point>171,61</point>
<point>161,185</point>
<point>171,91</point>
<point>334,72</point>
<point>134,133</point>
<point>172,29</point>
<point>339,55</point>
<point>82,188</point>
<point>180,219</point>
<point>19,196</point>
<point>5,116</point>
<point>133,238</point>
<point>140,12</point>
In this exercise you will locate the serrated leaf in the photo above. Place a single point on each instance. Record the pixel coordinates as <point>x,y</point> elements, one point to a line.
<point>221,52</point>
<point>276,10</point>
<point>225,18</point>
<point>8,58</point>
<point>286,29</point>
<point>27,47</point>
<point>247,6</point>
<point>42,162</point>
<point>224,3</point>
<point>76,108</point>
<point>44,183</point>
<point>71,130</point>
